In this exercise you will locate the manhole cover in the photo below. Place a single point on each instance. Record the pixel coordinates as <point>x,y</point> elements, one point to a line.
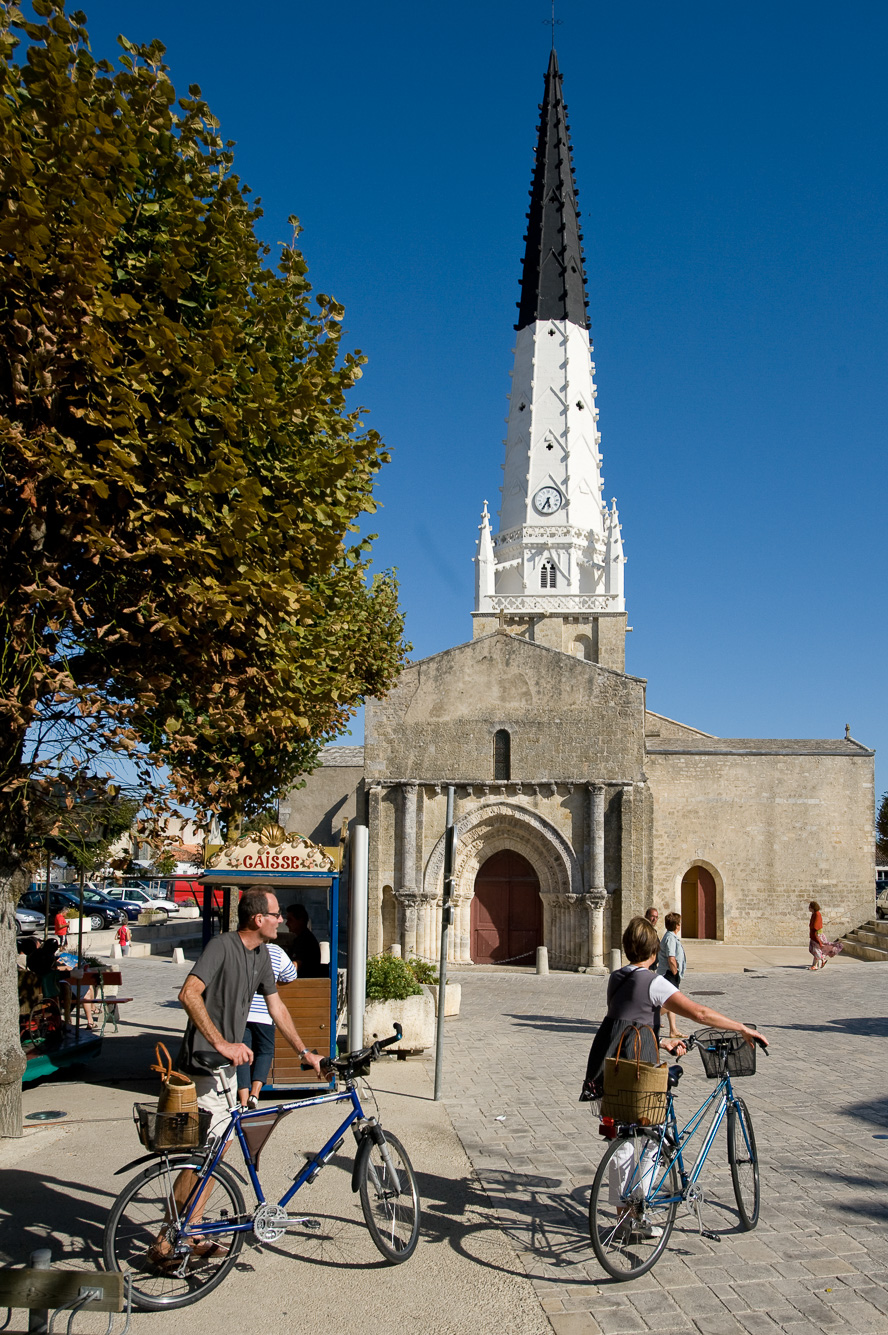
<point>707,994</point>
<point>50,1115</point>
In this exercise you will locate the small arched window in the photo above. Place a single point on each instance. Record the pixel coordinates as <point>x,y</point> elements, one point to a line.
<point>547,575</point>
<point>502,755</point>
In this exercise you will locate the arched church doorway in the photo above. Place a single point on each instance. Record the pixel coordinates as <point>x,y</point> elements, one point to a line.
<point>698,904</point>
<point>507,912</point>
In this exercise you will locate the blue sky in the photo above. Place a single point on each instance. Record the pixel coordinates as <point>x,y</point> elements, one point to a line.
<point>731,167</point>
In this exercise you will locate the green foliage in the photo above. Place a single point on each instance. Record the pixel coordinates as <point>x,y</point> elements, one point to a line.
<point>180,478</point>
<point>165,863</point>
<point>882,832</point>
<point>390,979</point>
<point>422,971</point>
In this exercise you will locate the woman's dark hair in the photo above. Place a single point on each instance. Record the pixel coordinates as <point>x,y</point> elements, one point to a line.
<point>640,941</point>
<point>813,907</point>
<point>673,920</point>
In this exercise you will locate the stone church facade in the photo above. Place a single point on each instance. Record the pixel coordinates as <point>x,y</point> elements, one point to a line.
<point>576,807</point>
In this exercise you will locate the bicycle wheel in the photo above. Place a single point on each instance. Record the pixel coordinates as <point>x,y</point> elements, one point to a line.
<point>633,1205</point>
<point>142,1240</point>
<point>743,1159</point>
<point>391,1208</point>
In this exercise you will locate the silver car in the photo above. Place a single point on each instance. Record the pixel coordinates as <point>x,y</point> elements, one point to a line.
<point>28,921</point>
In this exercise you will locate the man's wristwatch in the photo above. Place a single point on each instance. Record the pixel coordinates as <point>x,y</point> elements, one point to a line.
<point>303,1053</point>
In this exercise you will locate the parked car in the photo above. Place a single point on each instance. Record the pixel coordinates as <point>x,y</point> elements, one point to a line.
<point>882,898</point>
<point>98,911</point>
<point>140,900</point>
<point>28,921</point>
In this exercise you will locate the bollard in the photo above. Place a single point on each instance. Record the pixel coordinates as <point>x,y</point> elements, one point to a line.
<point>542,960</point>
<point>178,955</point>
<point>116,952</point>
<point>38,1318</point>
<point>395,951</point>
<point>616,961</point>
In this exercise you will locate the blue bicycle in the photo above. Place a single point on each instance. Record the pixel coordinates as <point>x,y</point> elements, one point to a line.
<point>644,1177</point>
<point>177,1229</point>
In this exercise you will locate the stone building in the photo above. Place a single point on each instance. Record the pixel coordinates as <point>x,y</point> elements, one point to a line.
<point>576,807</point>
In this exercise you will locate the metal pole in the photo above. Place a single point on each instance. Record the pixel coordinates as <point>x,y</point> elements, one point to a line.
<point>38,1318</point>
<point>446,920</point>
<point>359,846</point>
<point>46,896</point>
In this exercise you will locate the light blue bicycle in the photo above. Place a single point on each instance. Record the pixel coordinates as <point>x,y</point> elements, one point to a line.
<point>644,1175</point>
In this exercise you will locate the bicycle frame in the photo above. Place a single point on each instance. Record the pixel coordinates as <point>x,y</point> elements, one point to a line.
<point>206,1229</point>
<point>723,1095</point>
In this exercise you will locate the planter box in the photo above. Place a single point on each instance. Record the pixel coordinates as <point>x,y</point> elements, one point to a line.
<point>452,997</point>
<point>415,1014</point>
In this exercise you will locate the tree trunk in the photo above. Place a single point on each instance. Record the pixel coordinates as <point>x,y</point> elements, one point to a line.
<point>13,883</point>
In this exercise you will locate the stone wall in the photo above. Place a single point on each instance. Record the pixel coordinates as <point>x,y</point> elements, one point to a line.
<point>775,831</point>
<point>569,720</point>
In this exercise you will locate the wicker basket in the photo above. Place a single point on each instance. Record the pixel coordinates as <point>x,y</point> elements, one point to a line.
<point>732,1055</point>
<point>161,1131</point>
<point>635,1108</point>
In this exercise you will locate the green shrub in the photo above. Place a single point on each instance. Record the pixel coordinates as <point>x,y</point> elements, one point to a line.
<point>390,979</point>
<point>422,971</point>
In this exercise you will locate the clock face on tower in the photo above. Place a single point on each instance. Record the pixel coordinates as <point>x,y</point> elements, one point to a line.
<point>548,500</point>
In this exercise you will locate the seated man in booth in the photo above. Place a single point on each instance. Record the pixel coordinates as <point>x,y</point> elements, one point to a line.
<point>303,947</point>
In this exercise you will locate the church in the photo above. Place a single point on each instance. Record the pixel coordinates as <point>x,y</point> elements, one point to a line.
<point>575,806</point>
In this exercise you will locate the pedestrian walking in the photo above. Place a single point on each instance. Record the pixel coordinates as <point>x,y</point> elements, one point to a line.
<point>60,927</point>
<point>124,937</point>
<point>653,916</point>
<point>819,945</point>
<point>672,963</point>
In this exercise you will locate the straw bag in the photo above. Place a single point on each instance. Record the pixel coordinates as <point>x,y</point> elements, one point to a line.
<point>635,1091</point>
<point>178,1092</point>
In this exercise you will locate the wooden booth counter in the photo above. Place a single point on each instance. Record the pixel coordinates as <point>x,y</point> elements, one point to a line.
<point>296,871</point>
<point>308,1003</point>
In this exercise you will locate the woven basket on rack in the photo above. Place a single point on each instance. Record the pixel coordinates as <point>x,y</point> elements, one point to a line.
<point>736,1057</point>
<point>159,1131</point>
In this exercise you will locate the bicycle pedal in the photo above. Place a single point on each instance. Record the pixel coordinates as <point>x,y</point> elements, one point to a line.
<point>302,1221</point>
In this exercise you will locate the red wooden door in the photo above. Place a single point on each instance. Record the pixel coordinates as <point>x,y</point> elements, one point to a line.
<point>507,912</point>
<point>698,917</point>
<point>705,904</point>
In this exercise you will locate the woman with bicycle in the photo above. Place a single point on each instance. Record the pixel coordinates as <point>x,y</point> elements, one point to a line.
<point>635,997</point>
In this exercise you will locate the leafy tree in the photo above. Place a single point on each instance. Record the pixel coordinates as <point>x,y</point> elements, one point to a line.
<point>179,474</point>
<point>882,832</point>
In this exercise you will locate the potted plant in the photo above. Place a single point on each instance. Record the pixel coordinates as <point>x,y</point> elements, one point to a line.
<point>393,994</point>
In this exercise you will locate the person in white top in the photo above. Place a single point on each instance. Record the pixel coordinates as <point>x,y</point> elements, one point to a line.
<point>259,1033</point>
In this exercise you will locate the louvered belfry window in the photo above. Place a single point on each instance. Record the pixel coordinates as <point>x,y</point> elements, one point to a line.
<point>547,575</point>
<point>502,755</point>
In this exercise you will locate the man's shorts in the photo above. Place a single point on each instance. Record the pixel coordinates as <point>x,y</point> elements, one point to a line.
<point>211,1097</point>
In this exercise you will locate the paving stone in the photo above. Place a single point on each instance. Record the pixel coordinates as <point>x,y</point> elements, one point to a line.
<point>757,1323</point>
<point>575,1323</point>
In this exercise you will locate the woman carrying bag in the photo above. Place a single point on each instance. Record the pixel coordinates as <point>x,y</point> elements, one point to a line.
<point>635,997</point>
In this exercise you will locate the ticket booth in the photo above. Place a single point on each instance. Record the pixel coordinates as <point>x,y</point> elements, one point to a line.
<point>312,1002</point>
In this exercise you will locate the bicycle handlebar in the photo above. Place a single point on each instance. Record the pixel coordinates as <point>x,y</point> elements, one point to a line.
<point>693,1041</point>
<point>343,1065</point>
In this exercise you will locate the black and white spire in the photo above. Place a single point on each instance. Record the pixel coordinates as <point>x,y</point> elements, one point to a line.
<point>553,285</point>
<point>558,549</point>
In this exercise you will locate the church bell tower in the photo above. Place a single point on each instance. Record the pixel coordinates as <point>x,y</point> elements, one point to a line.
<point>553,571</point>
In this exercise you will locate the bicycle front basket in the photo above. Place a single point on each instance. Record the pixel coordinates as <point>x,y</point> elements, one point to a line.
<point>722,1051</point>
<point>160,1131</point>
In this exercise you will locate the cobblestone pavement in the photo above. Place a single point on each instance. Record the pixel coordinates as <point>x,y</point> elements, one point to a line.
<point>817,1261</point>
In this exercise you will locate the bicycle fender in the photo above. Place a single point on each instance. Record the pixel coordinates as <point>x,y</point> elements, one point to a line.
<point>362,1150</point>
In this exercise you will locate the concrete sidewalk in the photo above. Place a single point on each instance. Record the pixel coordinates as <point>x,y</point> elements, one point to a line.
<point>59,1182</point>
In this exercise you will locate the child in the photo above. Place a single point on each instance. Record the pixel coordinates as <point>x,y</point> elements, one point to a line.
<point>124,936</point>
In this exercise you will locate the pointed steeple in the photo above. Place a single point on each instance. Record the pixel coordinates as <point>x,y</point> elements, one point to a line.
<point>553,284</point>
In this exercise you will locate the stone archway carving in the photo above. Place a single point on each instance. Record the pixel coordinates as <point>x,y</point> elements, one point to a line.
<point>497,825</point>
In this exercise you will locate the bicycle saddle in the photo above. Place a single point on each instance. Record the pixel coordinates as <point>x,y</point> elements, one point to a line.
<point>675,1074</point>
<point>209,1061</point>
